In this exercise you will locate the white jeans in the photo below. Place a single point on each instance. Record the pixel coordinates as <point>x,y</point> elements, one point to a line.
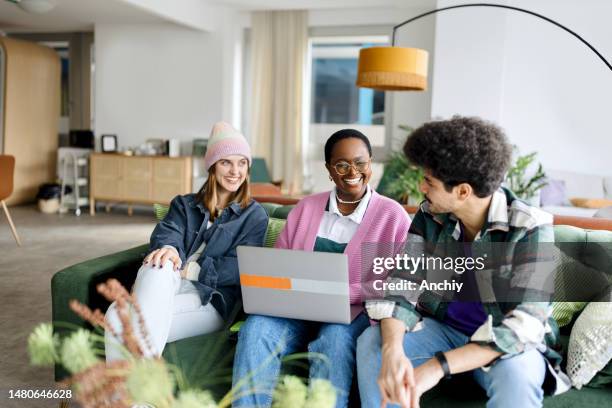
<point>171,309</point>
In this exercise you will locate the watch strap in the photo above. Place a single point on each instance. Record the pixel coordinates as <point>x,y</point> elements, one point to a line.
<point>443,363</point>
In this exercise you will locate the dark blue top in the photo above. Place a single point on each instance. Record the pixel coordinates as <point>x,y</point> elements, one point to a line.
<point>185,229</point>
<point>466,315</point>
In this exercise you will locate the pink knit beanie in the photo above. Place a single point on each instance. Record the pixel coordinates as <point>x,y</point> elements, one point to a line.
<point>225,141</point>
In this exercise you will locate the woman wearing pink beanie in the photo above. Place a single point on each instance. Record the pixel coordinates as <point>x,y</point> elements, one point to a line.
<point>188,284</point>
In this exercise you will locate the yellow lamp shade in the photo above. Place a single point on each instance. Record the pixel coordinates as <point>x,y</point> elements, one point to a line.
<point>392,69</point>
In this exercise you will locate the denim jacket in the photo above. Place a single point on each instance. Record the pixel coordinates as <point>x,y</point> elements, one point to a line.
<point>184,228</point>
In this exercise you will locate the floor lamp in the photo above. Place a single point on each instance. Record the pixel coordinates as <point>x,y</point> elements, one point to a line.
<point>405,69</point>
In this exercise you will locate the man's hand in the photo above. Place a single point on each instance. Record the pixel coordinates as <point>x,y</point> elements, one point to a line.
<point>402,384</point>
<point>426,376</point>
<point>396,376</point>
<point>159,257</point>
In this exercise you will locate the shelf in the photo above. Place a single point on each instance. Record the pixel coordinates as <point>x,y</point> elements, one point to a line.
<point>81,181</point>
<point>69,200</point>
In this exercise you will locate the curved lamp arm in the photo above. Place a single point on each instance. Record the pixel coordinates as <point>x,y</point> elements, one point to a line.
<point>601,57</point>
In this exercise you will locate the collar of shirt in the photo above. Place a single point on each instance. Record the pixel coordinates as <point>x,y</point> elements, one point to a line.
<point>357,215</point>
<point>234,207</point>
<point>497,217</point>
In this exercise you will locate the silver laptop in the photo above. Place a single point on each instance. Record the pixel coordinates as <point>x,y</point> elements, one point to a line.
<point>295,284</point>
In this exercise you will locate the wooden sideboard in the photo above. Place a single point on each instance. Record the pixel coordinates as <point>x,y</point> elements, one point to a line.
<point>138,179</point>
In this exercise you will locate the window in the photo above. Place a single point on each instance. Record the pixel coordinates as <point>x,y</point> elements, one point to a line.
<point>337,103</point>
<point>335,98</point>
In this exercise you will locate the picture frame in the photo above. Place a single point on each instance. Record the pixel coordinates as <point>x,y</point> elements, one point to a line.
<point>109,143</point>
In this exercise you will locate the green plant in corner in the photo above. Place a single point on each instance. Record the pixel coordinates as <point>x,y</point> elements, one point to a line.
<point>517,180</point>
<point>401,179</point>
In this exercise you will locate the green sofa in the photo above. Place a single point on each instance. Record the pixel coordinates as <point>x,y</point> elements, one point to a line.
<point>206,360</point>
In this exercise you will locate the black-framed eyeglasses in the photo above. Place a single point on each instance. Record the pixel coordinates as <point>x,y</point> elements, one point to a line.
<point>343,167</point>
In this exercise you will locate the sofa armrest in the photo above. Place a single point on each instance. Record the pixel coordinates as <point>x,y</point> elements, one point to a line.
<point>79,282</point>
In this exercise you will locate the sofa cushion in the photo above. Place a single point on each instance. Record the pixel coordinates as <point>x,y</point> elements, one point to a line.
<point>580,185</point>
<point>282,212</point>
<point>553,193</point>
<point>206,361</point>
<point>270,207</point>
<point>603,378</point>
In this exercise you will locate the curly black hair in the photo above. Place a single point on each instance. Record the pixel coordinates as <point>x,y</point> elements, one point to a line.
<point>345,134</point>
<point>462,150</point>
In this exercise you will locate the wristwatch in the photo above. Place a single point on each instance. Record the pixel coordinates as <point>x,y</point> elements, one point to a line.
<point>444,363</point>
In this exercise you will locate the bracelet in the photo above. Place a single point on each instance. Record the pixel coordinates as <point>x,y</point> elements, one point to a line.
<point>444,363</point>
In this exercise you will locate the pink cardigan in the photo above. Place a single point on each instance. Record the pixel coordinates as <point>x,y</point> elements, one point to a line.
<point>385,221</point>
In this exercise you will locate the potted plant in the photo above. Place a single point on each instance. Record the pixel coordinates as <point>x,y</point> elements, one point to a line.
<point>525,187</point>
<point>401,179</point>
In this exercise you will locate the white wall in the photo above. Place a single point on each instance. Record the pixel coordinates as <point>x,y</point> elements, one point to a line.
<point>545,88</point>
<point>163,81</point>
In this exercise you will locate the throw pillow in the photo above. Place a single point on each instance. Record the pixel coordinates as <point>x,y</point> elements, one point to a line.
<point>160,211</point>
<point>563,312</point>
<point>553,193</point>
<point>275,226</point>
<point>594,203</point>
<point>590,345</point>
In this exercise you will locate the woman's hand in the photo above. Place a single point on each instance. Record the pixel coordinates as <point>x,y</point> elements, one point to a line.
<point>159,257</point>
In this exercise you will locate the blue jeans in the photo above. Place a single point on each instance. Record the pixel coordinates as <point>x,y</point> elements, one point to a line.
<point>264,340</point>
<point>511,382</point>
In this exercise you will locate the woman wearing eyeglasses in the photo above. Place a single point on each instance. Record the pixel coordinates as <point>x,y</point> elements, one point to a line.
<point>341,221</point>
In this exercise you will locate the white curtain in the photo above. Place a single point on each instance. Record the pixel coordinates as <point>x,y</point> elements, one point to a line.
<point>279,52</point>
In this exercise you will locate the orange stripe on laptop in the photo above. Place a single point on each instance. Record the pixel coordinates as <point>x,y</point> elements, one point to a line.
<point>269,282</point>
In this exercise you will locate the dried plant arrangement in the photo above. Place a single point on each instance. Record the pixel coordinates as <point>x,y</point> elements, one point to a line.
<point>139,379</point>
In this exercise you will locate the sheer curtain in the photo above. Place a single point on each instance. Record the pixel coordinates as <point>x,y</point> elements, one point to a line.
<point>279,57</point>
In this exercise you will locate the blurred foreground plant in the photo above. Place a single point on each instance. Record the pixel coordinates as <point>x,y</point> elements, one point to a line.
<point>138,379</point>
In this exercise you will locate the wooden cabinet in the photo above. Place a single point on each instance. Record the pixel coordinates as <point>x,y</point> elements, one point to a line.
<point>141,180</point>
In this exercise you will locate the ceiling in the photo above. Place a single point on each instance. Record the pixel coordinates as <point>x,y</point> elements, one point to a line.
<point>322,4</point>
<point>81,15</point>
<point>72,15</point>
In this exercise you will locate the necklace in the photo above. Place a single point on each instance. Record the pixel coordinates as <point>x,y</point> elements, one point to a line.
<point>347,202</point>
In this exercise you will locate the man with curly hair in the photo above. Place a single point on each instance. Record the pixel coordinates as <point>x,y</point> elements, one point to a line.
<point>497,329</point>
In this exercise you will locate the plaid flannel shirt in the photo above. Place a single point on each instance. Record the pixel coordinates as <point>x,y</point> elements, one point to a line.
<point>511,326</point>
